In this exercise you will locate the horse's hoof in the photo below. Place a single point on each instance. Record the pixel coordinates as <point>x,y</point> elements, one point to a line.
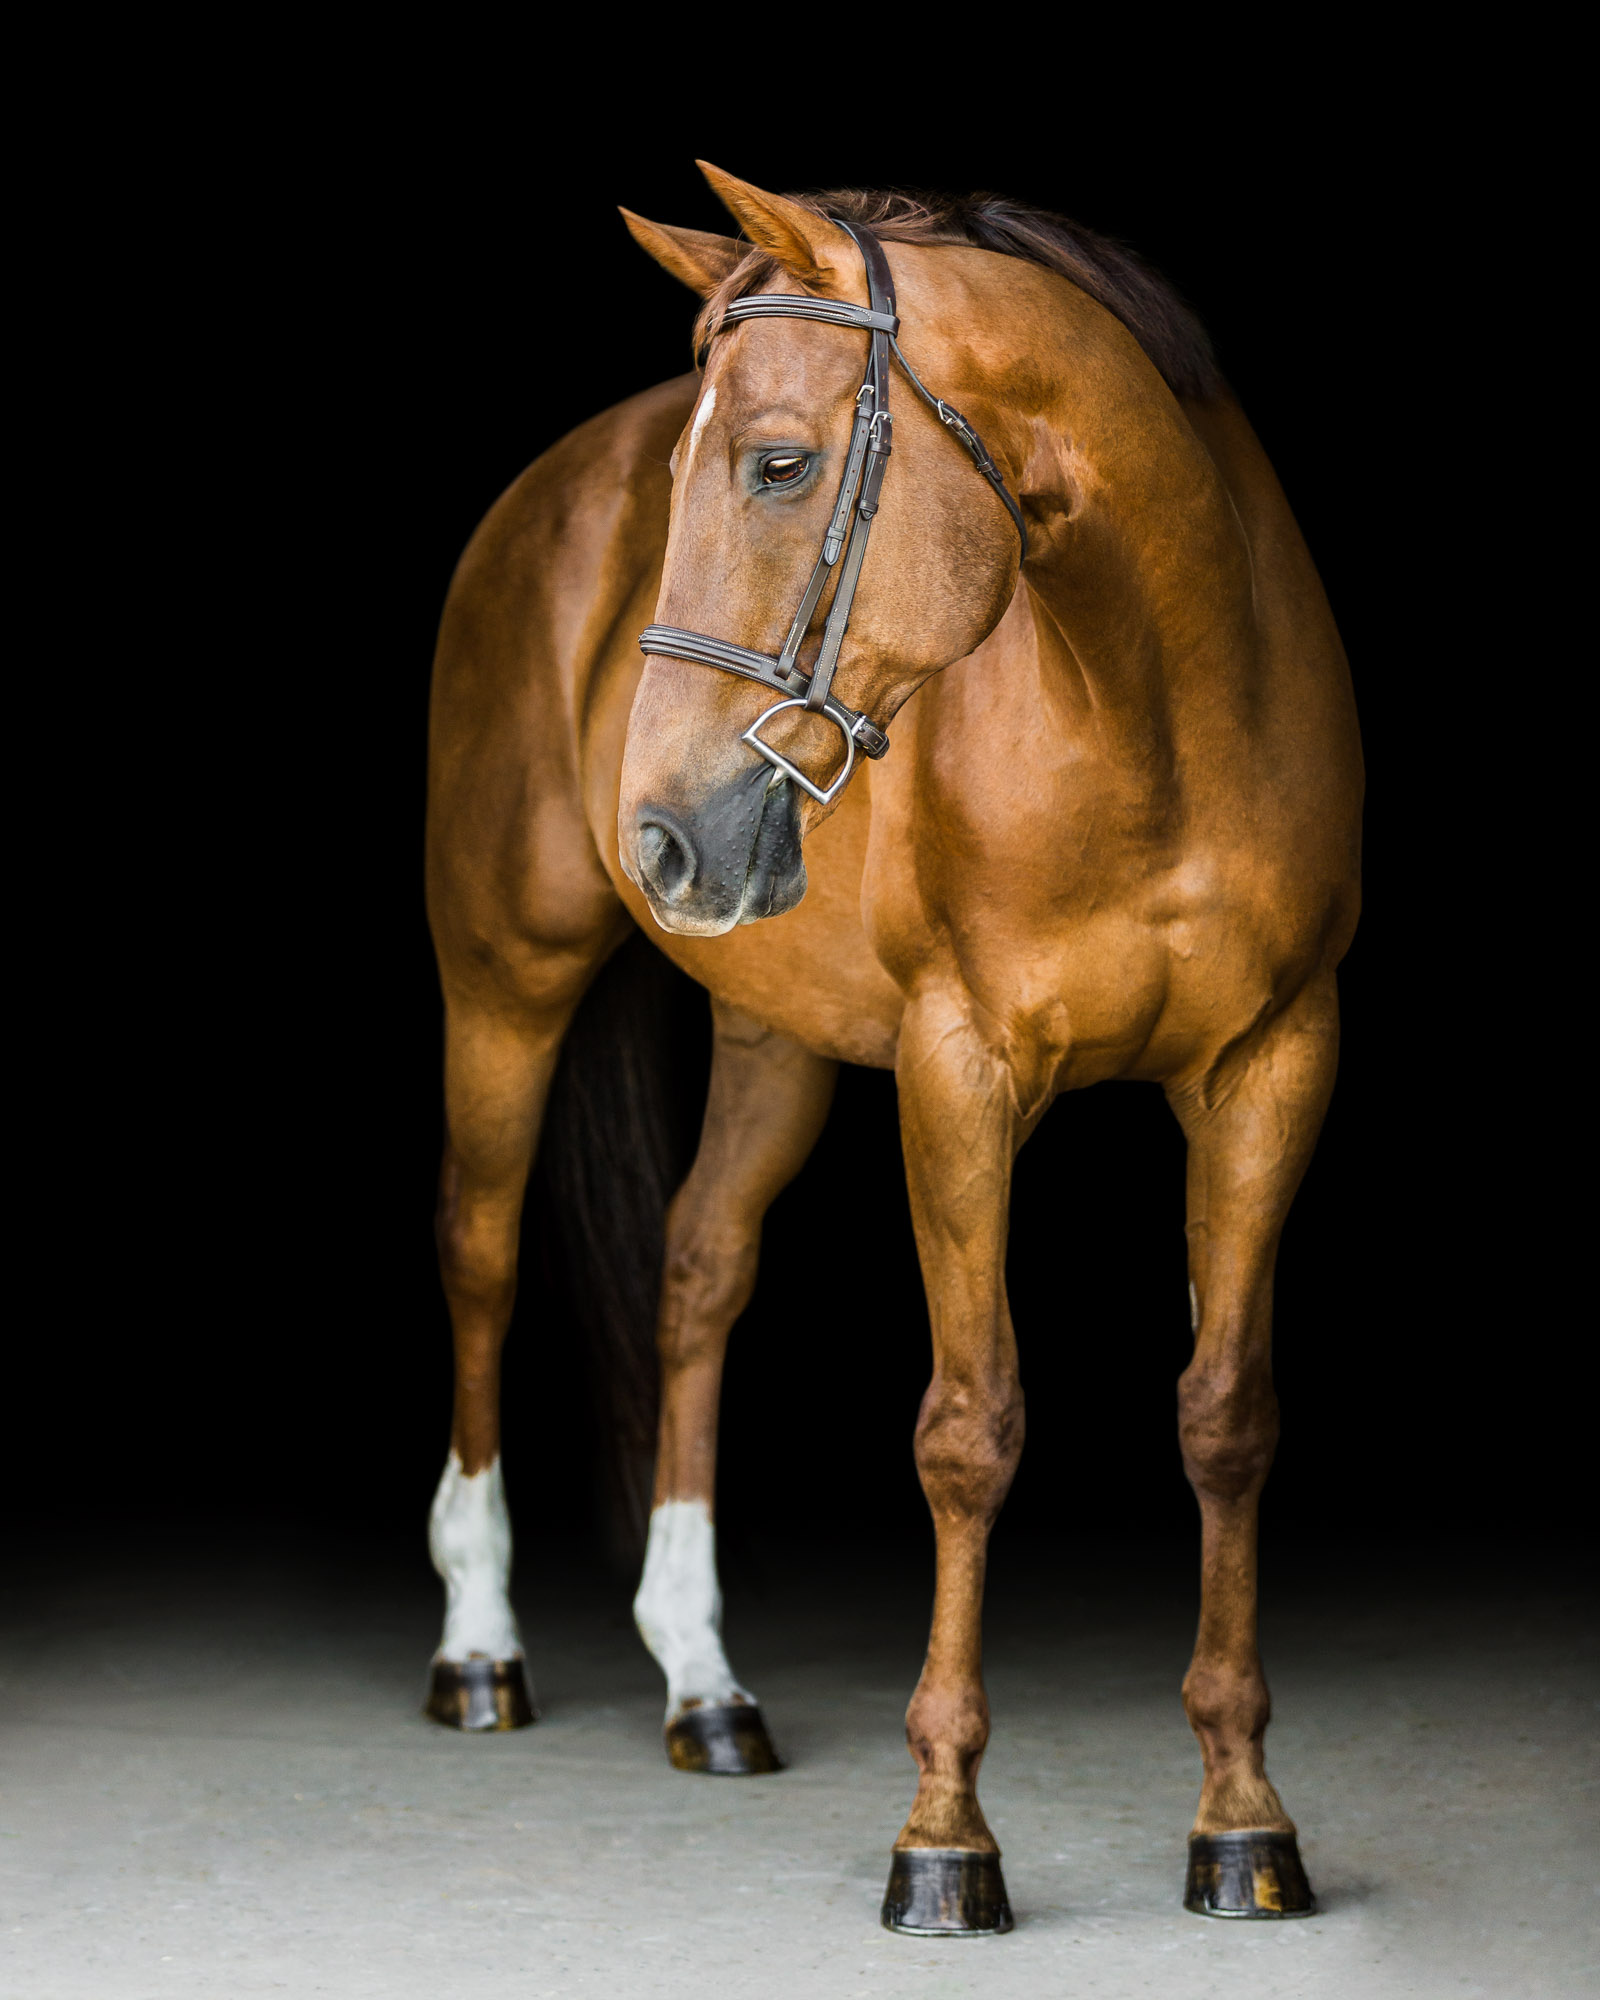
<point>946,1892</point>
<point>1246,1875</point>
<point>723,1739</point>
<point>480,1694</point>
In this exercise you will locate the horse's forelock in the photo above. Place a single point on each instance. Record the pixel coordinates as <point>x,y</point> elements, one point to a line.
<point>1113,275</point>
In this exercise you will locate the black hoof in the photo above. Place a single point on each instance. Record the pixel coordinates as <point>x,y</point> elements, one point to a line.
<point>725,1740</point>
<point>946,1892</point>
<point>1246,1875</point>
<point>480,1694</point>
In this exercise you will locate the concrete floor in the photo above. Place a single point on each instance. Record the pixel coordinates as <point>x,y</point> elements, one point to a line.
<point>216,1782</point>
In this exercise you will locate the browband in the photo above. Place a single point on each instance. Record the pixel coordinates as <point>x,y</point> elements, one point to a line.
<point>793,305</point>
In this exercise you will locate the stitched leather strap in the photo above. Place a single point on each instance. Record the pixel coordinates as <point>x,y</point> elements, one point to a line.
<point>673,644</point>
<point>793,305</point>
<point>958,427</point>
<point>872,409</point>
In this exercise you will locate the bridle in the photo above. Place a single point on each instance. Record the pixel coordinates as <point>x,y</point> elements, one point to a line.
<point>848,529</point>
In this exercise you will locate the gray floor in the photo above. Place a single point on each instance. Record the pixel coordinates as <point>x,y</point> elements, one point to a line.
<point>216,1782</point>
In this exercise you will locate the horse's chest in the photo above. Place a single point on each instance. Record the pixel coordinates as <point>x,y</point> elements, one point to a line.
<point>1066,1005</point>
<point>1092,979</point>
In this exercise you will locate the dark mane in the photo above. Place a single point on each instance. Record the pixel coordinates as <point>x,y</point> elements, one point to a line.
<point>1110,273</point>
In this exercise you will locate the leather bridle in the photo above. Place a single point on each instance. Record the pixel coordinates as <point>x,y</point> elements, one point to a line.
<point>851,523</point>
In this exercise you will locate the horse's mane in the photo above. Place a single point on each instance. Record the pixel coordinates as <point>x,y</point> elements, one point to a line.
<point>1109,272</point>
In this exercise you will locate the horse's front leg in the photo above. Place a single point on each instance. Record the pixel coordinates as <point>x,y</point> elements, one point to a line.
<point>1250,1136</point>
<point>960,1131</point>
<point>768,1101</point>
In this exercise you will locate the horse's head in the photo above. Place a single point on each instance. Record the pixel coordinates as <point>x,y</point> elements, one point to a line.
<point>708,828</point>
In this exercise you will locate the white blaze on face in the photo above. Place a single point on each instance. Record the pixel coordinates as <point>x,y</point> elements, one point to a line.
<point>679,1606</point>
<point>469,1538</point>
<point>702,417</point>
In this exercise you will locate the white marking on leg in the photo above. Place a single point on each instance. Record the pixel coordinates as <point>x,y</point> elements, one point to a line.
<point>469,1538</point>
<point>702,417</point>
<point>1194,1308</point>
<point>679,1607</point>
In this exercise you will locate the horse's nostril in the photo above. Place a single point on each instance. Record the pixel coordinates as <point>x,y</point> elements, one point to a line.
<point>666,860</point>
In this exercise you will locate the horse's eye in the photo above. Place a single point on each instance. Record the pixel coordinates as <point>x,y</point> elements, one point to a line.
<point>783,471</point>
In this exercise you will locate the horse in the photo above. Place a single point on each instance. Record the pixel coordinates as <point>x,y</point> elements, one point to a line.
<point>1116,835</point>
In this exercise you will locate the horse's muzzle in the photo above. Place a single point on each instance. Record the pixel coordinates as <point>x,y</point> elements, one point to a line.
<point>734,860</point>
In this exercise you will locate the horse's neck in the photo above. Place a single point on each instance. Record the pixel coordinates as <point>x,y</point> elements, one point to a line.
<point>1142,575</point>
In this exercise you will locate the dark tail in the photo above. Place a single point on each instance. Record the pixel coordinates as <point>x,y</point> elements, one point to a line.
<point>619,1136</point>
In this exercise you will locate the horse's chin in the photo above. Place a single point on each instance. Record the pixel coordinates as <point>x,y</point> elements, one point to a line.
<point>773,895</point>
<point>682,923</point>
<point>762,898</point>
<point>775,879</point>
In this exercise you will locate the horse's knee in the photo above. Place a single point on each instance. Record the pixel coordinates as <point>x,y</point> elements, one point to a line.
<point>968,1441</point>
<point>1227,1427</point>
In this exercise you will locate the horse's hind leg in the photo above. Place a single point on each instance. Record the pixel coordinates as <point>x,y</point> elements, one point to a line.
<point>768,1101</point>
<point>499,1059</point>
<point>1250,1136</point>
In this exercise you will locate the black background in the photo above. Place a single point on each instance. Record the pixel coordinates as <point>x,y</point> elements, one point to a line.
<point>308,337</point>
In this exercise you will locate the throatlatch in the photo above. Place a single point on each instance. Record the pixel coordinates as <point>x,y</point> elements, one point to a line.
<point>871,441</point>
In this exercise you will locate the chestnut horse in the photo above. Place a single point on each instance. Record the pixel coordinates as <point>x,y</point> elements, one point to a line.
<point>1116,835</point>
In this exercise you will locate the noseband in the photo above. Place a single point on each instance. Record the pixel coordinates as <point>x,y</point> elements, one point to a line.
<point>848,528</point>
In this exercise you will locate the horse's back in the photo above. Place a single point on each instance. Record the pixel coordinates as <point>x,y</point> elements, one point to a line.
<point>1304,721</point>
<point>1305,741</point>
<point>526,652</point>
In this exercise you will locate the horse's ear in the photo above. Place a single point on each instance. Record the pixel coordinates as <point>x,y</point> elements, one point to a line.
<point>700,259</point>
<point>816,250</point>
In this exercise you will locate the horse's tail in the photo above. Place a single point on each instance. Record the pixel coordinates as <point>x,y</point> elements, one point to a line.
<point>618,1138</point>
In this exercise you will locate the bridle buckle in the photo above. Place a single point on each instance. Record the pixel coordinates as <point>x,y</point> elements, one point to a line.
<point>781,763</point>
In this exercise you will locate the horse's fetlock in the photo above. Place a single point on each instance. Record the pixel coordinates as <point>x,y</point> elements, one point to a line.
<point>948,1729</point>
<point>1228,1703</point>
